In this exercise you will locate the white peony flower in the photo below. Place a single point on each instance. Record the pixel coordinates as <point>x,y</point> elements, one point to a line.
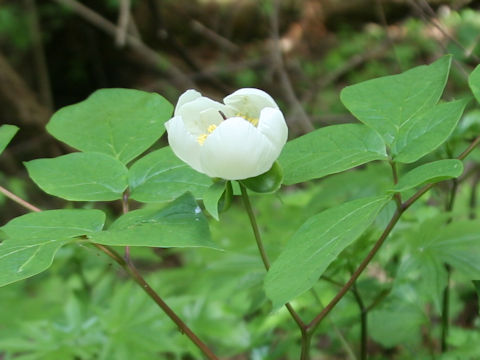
<point>236,140</point>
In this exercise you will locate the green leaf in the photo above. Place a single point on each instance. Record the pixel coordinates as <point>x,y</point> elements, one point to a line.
<point>80,176</point>
<point>430,173</point>
<point>427,131</point>
<point>458,244</point>
<point>122,123</point>
<point>387,103</point>
<point>330,150</point>
<point>29,242</point>
<point>316,244</point>
<point>399,325</point>
<point>474,82</point>
<point>212,197</point>
<point>7,132</point>
<point>180,224</point>
<point>161,176</point>
<point>426,272</point>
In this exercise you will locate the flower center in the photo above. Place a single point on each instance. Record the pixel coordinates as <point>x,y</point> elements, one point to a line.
<point>201,139</point>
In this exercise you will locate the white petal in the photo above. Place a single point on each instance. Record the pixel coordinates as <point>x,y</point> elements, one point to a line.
<point>200,113</point>
<point>186,97</point>
<point>250,101</point>
<point>182,143</point>
<point>272,124</point>
<point>236,150</point>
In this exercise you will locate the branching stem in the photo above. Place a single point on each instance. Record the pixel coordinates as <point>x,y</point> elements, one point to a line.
<point>313,325</point>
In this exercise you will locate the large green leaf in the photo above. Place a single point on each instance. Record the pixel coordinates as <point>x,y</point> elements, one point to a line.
<point>330,150</point>
<point>432,172</point>
<point>427,131</point>
<point>122,123</point>
<point>161,176</point>
<point>80,176</point>
<point>316,244</point>
<point>7,132</point>
<point>29,243</point>
<point>386,103</point>
<point>180,224</point>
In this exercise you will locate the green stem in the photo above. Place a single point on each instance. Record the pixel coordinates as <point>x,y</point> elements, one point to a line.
<point>306,341</point>
<point>124,211</point>
<point>445,312</point>
<point>446,292</point>
<point>253,223</point>
<point>266,262</point>
<point>363,322</point>
<point>397,197</point>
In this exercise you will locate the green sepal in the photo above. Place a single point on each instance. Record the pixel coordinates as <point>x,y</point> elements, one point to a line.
<point>226,199</point>
<point>218,197</point>
<point>268,182</point>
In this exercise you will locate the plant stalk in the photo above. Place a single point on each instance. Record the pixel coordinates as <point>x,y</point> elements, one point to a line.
<point>266,261</point>
<point>446,292</point>
<point>445,312</point>
<point>363,322</point>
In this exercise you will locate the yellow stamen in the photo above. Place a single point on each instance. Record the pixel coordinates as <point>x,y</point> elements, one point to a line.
<point>251,120</point>
<point>201,139</point>
<point>211,128</point>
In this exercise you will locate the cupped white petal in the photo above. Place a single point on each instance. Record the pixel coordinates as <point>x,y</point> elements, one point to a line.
<point>249,101</point>
<point>186,97</point>
<point>236,150</point>
<point>273,126</point>
<point>200,113</point>
<point>182,143</point>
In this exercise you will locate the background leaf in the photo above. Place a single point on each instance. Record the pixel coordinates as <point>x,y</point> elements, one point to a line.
<point>316,244</point>
<point>330,150</point>
<point>432,172</point>
<point>28,243</point>
<point>161,176</point>
<point>395,326</point>
<point>427,131</point>
<point>388,102</point>
<point>458,244</point>
<point>179,224</point>
<point>122,123</point>
<point>80,176</point>
<point>474,82</point>
<point>7,132</point>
